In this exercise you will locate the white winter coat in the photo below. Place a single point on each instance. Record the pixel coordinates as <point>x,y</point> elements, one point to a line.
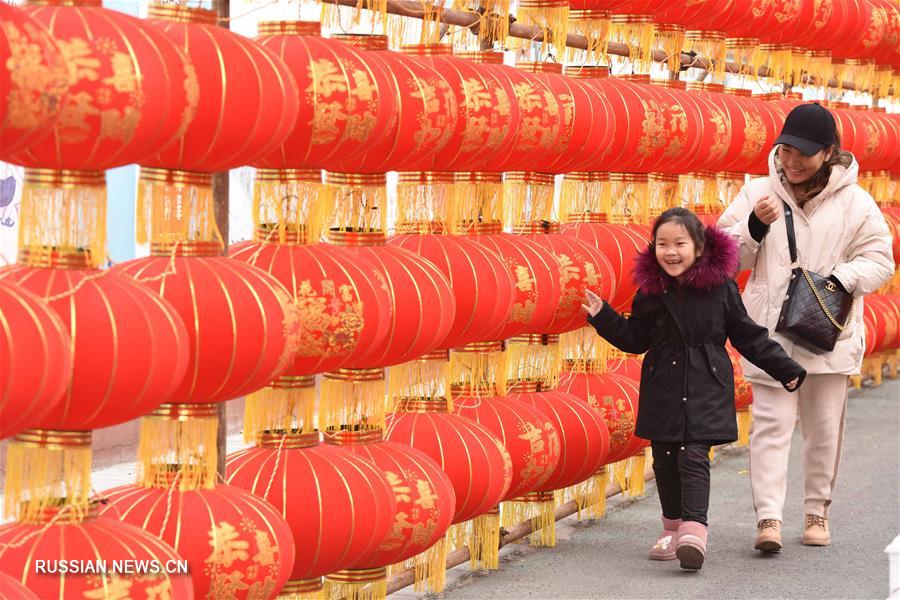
<point>840,232</point>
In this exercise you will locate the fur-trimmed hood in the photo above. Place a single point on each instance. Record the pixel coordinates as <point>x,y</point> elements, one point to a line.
<point>717,264</point>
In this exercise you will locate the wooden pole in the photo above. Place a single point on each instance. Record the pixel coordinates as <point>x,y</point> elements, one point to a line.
<point>461,18</point>
<point>220,205</point>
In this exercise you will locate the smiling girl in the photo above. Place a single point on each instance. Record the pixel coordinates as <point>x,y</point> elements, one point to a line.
<point>686,308</point>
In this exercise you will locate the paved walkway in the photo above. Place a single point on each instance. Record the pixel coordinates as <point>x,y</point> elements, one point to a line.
<point>606,559</point>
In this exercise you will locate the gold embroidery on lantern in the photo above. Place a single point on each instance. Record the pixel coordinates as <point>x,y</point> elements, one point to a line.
<point>267,552</point>
<point>34,87</point>
<point>524,281</point>
<point>754,136</point>
<point>523,312</point>
<point>328,324</point>
<point>227,545</point>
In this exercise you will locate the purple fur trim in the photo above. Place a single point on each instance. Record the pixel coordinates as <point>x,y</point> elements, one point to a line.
<point>717,264</point>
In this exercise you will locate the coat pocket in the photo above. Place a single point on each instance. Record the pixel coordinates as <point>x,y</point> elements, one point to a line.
<point>720,367</point>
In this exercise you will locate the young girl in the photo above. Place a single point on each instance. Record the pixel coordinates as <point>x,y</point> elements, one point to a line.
<point>685,309</point>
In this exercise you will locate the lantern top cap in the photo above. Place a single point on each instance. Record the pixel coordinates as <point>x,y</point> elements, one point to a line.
<point>183,14</point>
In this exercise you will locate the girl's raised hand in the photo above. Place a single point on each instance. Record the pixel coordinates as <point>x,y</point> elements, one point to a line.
<point>592,303</point>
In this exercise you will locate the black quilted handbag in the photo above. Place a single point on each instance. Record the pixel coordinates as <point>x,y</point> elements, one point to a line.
<point>815,310</point>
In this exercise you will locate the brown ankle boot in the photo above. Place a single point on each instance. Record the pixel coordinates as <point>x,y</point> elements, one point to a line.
<point>768,536</point>
<point>816,532</point>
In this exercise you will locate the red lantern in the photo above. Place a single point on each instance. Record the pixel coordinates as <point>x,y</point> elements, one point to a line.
<point>117,64</point>
<point>236,545</point>
<point>34,80</point>
<point>587,123</point>
<point>621,245</point>
<point>488,113</point>
<point>234,124</point>
<point>883,312</point>
<point>417,290</point>
<point>615,399</point>
<point>481,283</point>
<point>428,121</point>
<point>628,367</point>
<point>477,464</point>
<point>129,347</point>
<point>584,438</point>
<point>237,336</point>
<point>35,363</point>
<point>581,267</point>
<point>344,106</point>
<point>541,122</point>
<point>11,589</point>
<point>536,275</point>
<point>343,312</point>
<point>765,19</point>
<point>339,506</point>
<point>424,494</point>
<point>527,434</point>
<point>98,545</point>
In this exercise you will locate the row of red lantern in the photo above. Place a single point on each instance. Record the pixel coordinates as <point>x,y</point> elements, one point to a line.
<point>456,115</point>
<point>807,23</point>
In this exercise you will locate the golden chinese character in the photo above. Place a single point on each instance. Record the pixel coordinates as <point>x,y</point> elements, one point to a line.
<point>227,547</point>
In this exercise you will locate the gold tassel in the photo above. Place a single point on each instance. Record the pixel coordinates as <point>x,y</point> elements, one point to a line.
<point>711,46</point>
<point>423,202</point>
<point>700,192</point>
<point>178,438</point>
<point>540,508</point>
<point>484,543</point>
<point>591,495</point>
<point>585,196</point>
<point>352,397</point>
<point>528,198</point>
<point>534,358</point>
<point>493,24</point>
<point>712,453</point>
<point>884,79</point>
<point>777,60</point>
<point>729,184</point>
<point>583,351</point>
<point>664,193</point>
<point>47,469</point>
<point>818,66</point>
<point>63,212</point>
<point>636,32</point>
<point>480,367</point>
<point>287,201</point>
<point>404,30</point>
<point>670,39</point>
<point>303,589</point>
<point>355,201</point>
<point>744,52</point>
<point>477,198</point>
<point>175,206</point>
<point>289,404</point>
<point>631,198</point>
<point>637,465</point>
<point>593,25</point>
<point>357,584</point>
<point>427,377</point>
<point>744,420</point>
<point>552,18</point>
<point>431,568</point>
<point>860,72</point>
<point>620,471</point>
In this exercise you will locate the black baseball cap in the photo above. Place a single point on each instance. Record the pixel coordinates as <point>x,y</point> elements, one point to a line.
<point>809,128</point>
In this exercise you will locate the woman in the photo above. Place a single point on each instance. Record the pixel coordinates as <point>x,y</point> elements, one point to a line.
<point>840,233</point>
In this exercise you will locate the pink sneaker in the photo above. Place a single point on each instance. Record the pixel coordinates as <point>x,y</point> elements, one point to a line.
<point>664,549</point>
<point>691,549</point>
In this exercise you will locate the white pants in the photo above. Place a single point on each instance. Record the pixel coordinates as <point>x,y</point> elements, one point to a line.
<point>822,402</point>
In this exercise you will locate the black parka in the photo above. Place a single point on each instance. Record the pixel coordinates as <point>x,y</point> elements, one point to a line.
<point>687,380</point>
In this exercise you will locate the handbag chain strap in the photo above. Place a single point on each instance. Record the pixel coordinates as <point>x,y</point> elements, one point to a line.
<point>792,247</point>
<point>825,308</point>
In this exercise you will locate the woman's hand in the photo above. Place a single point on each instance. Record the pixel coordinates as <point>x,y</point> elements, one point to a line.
<point>592,303</point>
<point>767,210</point>
<point>792,384</point>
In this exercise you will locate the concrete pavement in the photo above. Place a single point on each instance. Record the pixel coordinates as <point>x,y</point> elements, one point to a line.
<point>607,558</point>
